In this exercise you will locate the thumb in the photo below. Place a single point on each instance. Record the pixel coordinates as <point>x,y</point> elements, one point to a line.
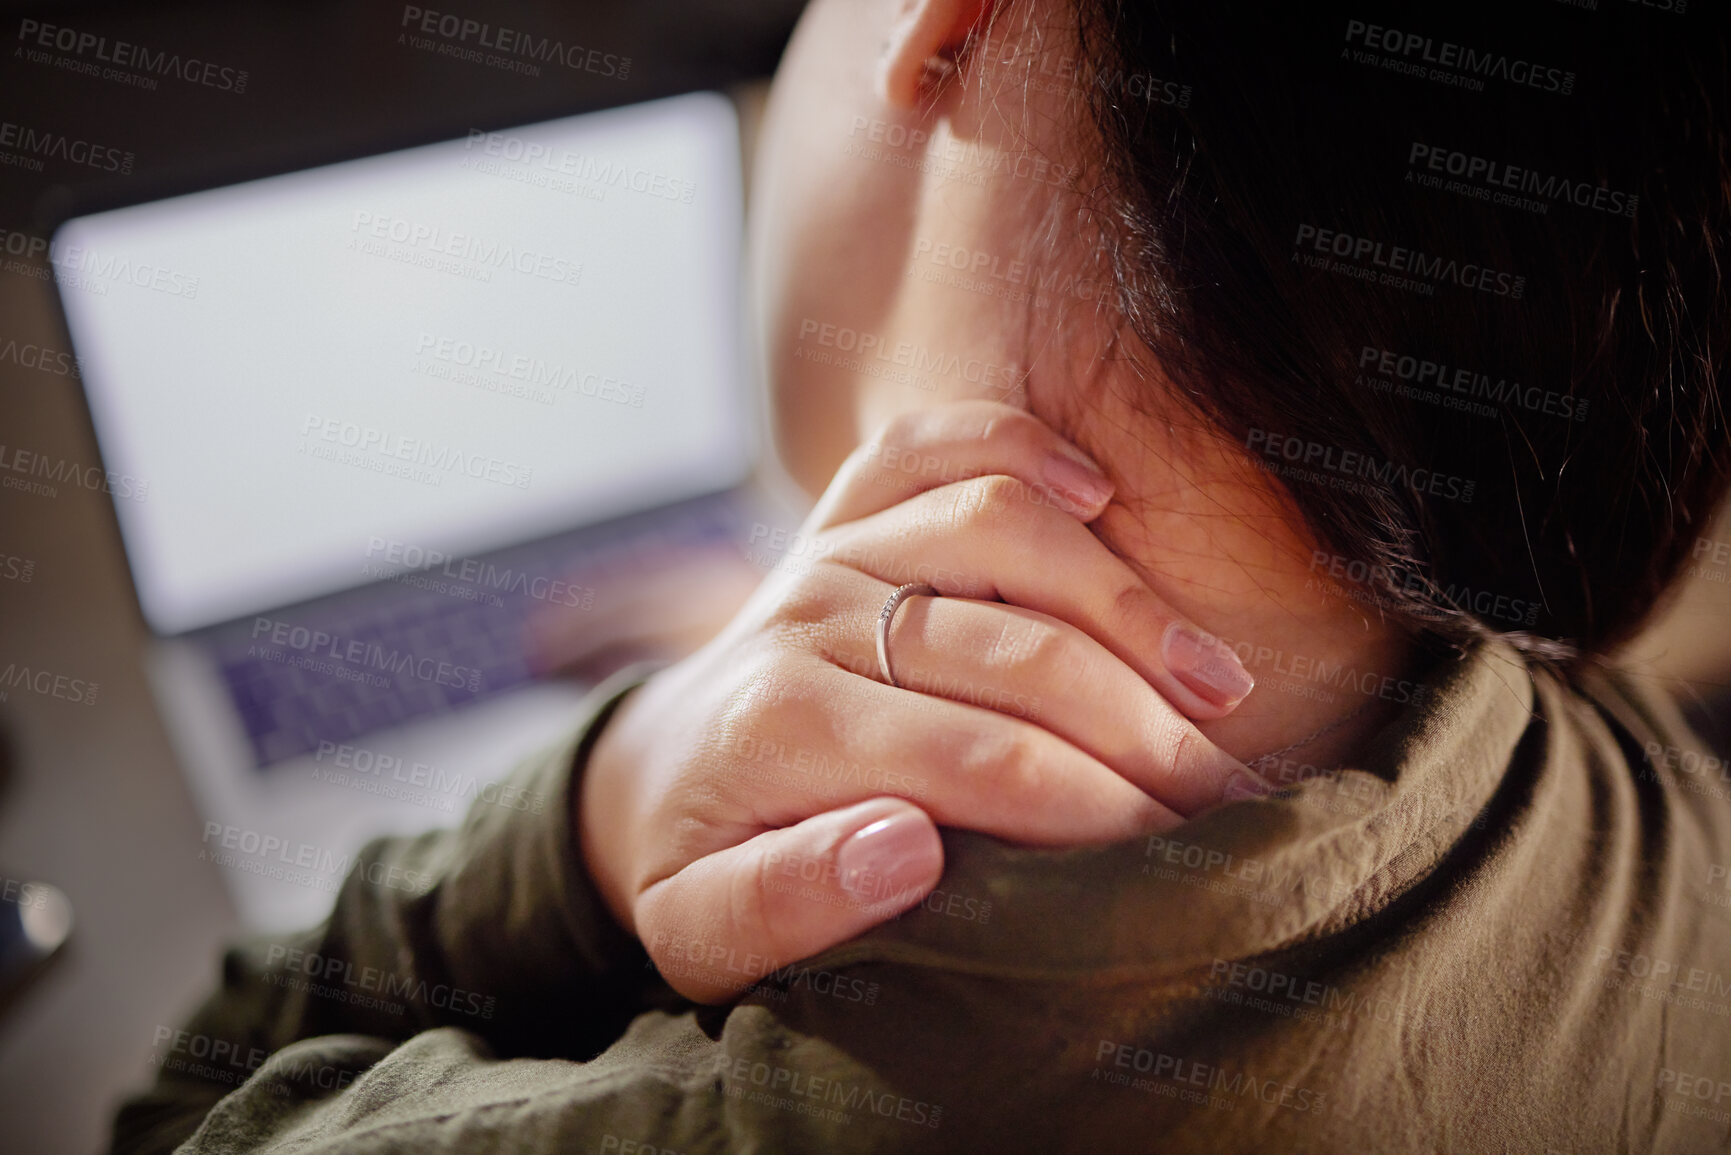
<point>730,918</point>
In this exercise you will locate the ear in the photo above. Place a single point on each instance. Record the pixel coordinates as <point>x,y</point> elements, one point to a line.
<point>924,29</point>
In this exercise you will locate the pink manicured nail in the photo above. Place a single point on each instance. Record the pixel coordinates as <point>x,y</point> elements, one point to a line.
<point>891,856</point>
<point>1074,474</point>
<point>1206,665</point>
<point>1242,786</point>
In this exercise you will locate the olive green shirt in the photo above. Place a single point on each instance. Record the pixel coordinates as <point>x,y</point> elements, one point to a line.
<point>1508,928</point>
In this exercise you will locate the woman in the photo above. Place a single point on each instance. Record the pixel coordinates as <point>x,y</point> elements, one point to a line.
<point>1276,415</point>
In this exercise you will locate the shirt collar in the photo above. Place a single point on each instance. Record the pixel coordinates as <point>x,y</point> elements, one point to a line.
<point>1242,879</point>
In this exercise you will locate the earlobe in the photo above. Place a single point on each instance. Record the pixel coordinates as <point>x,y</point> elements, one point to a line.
<point>924,31</point>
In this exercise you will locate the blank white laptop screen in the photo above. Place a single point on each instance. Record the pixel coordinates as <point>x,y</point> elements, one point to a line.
<point>453,348</point>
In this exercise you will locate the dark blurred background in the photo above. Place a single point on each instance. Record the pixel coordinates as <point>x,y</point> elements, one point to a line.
<point>91,799</point>
<point>329,81</point>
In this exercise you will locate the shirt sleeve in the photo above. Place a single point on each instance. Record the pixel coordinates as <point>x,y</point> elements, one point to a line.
<point>494,927</point>
<point>679,1082</point>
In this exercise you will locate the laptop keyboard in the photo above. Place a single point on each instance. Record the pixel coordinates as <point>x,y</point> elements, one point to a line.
<point>419,644</point>
<point>332,678</point>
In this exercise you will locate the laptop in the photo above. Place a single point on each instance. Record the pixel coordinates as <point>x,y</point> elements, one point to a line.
<point>363,424</point>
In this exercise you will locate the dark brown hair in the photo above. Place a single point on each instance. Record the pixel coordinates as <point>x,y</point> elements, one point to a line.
<point>1543,326</point>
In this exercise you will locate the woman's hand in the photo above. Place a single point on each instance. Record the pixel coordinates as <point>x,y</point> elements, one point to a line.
<point>770,796</point>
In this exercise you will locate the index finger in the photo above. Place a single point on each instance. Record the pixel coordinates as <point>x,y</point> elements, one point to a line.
<point>980,539</point>
<point>928,448</point>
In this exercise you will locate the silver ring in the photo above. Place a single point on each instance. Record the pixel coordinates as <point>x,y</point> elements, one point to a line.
<point>888,615</point>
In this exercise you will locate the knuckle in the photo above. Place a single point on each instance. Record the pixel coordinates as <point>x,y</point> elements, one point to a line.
<point>963,508</point>
<point>1136,604</point>
<point>1034,651</point>
<point>1170,745</point>
<point>1002,494</point>
<point>1013,430</point>
<point>1008,760</point>
<point>993,499</point>
<point>761,682</point>
<point>997,431</point>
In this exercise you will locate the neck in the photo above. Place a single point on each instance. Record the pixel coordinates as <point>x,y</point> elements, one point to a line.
<point>1211,533</point>
<point>1219,540</point>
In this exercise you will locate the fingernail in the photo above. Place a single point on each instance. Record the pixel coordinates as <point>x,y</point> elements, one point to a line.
<point>889,857</point>
<point>1242,786</point>
<point>1074,473</point>
<point>1206,665</point>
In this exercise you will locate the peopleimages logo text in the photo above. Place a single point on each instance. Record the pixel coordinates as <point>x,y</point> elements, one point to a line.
<point>541,49</point>
<point>1443,377</point>
<point>1368,253</point>
<point>1462,58</point>
<point>124,54</point>
<point>438,241</point>
<point>63,472</point>
<point>581,166</point>
<point>37,142</point>
<point>1358,466</point>
<point>386,444</point>
<point>369,655</point>
<point>1495,175</point>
